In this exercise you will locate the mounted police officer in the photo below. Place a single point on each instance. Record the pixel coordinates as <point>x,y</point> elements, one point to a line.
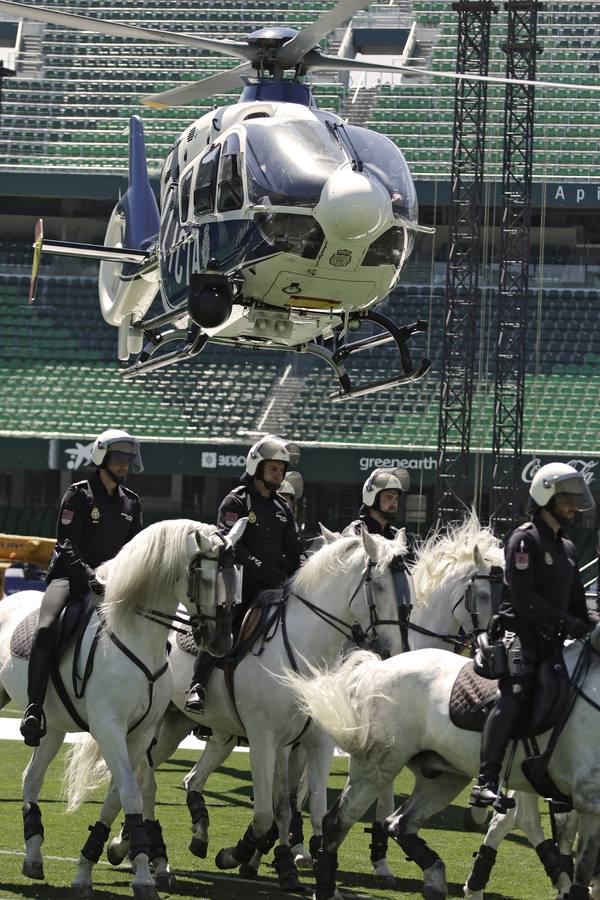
<point>543,603</point>
<point>269,549</point>
<point>381,495</point>
<point>97,517</point>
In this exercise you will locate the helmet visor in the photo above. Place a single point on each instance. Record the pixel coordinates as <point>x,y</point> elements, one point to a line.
<point>575,489</point>
<point>125,452</point>
<point>272,448</point>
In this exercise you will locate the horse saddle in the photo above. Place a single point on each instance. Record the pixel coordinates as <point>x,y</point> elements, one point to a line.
<point>473,697</point>
<point>72,622</point>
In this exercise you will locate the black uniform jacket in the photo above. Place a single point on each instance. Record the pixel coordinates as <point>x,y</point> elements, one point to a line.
<point>542,581</point>
<point>269,549</point>
<point>92,527</point>
<point>366,521</point>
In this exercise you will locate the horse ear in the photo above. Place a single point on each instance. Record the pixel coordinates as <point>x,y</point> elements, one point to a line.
<point>400,539</point>
<point>237,531</point>
<point>479,560</point>
<point>329,536</point>
<point>370,545</point>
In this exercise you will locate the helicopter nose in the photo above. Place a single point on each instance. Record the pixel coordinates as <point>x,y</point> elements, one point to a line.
<point>352,206</point>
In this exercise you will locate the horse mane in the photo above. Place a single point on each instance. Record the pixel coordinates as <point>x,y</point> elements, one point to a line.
<point>146,569</point>
<point>442,557</point>
<point>337,557</point>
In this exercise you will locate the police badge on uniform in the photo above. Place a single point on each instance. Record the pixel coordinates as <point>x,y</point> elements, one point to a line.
<point>95,514</point>
<point>521,558</point>
<point>252,517</point>
<point>548,558</point>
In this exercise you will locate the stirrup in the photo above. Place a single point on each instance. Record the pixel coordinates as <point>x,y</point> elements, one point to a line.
<point>33,725</point>
<point>195,700</point>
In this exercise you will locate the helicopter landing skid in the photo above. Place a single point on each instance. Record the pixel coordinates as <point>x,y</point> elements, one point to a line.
<point>391,332</point>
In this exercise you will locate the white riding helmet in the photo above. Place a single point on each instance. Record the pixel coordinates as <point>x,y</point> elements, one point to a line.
<point>292,486</point>
<point>116,439</point>
<point>271,447</point>
<point>384,480</point>
<point>559,478</point>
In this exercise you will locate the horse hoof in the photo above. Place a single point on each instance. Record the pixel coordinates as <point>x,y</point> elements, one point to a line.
<point>115,852</point>
<point>82,891</point>
<point>225,860</point>
<point>291,883</point>
<point>248,871</point>
<point>198,847</point>
<point>165,881</point>
<point>33,869</point>
<point>302,858</point>
<point>145,892</point>
<point>432,893</point>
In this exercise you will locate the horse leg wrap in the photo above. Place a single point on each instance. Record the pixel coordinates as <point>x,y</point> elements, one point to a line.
<point>284,865</point>
<point>32,820</point>
<point>197,806</point>
<point>325,869</point>
<point>379,844</point>
<point>553,861</point>
<point>245,847</point>
<point>296,829</point>
<point>93,847</point>
<point>485,859</point>
<point>156,844</point>
<point>265,842</point>
<point>138,842</point>
<point>578,892</point>
<point>314,844</point>
<point>416,850</point>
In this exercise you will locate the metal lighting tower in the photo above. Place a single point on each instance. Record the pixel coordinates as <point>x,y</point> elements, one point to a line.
<point>521,50</point>
<point>464,256</point>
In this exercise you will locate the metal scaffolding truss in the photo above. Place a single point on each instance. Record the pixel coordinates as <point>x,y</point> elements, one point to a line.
<point>521,50</point>
<point>464,256</point>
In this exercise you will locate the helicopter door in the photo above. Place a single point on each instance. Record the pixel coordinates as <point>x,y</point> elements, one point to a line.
<point>230,188</point>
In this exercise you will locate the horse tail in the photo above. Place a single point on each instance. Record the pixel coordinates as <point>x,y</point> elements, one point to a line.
<point>86,770</point>
<point>340,700</point>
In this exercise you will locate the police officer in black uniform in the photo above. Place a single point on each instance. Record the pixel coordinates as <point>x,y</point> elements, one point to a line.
<point>381,494</point>
<point>543,603</point>
<point>96,518</point>
<point>269,550</point>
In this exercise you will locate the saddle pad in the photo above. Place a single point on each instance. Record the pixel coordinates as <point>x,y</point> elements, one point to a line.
<point>22,637</point>
<point>471,700</point>
<point>186,642</point>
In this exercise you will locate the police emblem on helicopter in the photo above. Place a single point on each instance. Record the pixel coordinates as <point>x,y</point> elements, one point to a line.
<point>340,258</point>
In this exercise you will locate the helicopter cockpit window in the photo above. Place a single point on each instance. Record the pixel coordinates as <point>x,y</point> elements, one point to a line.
<point>288,163</point>
<point>230,190</point>
<point>206,182</point>
<point>381,157</point>
<point>184,203</point>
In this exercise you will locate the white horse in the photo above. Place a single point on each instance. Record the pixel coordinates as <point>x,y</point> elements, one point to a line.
<point>456,580</point>
<point>347,588</point>
<point>393,713</point>
<point>117,679</point>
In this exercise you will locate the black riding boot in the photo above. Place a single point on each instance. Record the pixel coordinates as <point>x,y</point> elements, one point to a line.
<point>196,698</point>
<point>497,733</point>
<point>33,724</point>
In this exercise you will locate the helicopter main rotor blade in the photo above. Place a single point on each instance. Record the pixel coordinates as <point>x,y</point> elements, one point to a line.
<point>118,29</point>
<point>199,90</point>
<point>292,52</point>
<point>321,61</point>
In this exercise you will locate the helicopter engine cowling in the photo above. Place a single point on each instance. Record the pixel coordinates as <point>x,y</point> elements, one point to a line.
<point>353,206</point>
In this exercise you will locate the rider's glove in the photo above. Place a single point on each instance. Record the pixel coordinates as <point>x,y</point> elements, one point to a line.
<point>96,586</point>
<point>577,628</point>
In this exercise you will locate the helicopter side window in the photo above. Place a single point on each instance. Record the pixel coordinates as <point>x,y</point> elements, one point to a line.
<point>230,189</point>
<point>184,206</point>
<point>206,182</point>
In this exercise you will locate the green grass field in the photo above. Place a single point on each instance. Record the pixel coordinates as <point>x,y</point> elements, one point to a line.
<point>517,875</point>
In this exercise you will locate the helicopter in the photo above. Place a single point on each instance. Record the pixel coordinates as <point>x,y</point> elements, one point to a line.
<point>280,225</point>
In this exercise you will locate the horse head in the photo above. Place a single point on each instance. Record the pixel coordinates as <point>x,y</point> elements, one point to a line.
<point>213,587</point>
<point>482,594</point>
<point>389,592</point>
